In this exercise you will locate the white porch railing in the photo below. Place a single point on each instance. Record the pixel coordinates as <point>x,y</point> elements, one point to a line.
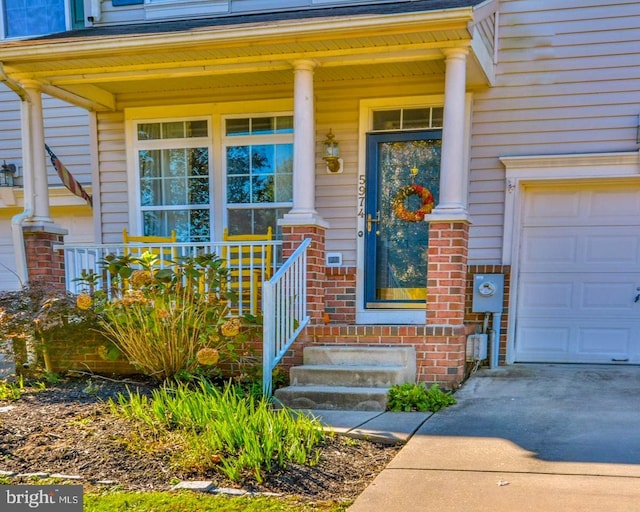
<point>81,259</point>
<point>284,296</point>
<point>284,306</point>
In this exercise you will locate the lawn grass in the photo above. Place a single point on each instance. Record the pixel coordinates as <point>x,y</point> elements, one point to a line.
<point>188,501</point>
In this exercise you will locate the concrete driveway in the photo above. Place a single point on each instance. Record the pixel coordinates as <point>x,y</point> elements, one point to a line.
<point>523,438</point>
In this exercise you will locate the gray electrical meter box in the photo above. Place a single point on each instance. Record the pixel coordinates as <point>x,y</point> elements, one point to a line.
<point>488,293</point>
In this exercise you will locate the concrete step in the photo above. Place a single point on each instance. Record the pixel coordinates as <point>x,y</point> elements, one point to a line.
<point>347,377</point>
<point>364,355</point>
<point>374,376</point>
<point>333,398</point>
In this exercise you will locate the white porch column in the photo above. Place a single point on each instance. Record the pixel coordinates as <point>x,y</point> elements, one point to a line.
<point>303,211</point>
<point>35,165</point>
<point>453,170</point>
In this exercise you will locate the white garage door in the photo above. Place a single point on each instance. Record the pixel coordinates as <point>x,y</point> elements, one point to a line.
<point>579,274</point>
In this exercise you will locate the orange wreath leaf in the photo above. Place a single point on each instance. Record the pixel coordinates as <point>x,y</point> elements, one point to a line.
<point>401,211</point>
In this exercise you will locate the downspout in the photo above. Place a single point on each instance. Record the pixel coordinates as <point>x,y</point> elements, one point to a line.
<point>27,213</point>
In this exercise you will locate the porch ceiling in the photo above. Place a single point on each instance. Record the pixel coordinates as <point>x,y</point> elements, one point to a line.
<point>92,71</point>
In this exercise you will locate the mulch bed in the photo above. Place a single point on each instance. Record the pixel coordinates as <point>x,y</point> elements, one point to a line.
<point>68,429</point>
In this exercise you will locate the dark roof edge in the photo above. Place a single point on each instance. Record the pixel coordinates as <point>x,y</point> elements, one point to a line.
<point>230,20</point>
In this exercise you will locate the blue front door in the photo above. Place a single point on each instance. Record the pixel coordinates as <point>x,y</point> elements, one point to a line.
<point>402,177</point>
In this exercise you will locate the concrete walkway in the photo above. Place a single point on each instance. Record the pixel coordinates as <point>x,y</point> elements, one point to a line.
<point>523,438</point>
<point>383,427</point>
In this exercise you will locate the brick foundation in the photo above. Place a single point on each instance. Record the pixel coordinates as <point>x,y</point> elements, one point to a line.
<point>86,354</point>
<point>476,319</point>
<point>340,295</point>
<point>44,264</point>
<point>292,237</point>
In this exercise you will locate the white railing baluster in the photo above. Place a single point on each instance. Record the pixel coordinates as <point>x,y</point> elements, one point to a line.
<point>284,308</point>
<point>284,296</point>
<point>88,257</point>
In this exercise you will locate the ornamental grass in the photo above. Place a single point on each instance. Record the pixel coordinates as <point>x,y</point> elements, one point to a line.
<point>224,430</point>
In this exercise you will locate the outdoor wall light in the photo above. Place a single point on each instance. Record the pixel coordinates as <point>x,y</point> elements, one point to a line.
<point>332,154</point>
<point>7,174</point>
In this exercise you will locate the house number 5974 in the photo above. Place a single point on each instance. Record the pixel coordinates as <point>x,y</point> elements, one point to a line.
<point>361,190</point>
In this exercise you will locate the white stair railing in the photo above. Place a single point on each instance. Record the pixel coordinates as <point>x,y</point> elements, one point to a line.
<point>284,308</point>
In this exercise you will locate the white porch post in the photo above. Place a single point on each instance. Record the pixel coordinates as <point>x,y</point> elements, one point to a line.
<point>35,166</point>
<point>303,211</point>
<point>453,175</point>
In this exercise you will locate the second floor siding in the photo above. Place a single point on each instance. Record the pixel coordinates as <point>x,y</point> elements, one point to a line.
<point>115,12</point>
<point>567,81</point>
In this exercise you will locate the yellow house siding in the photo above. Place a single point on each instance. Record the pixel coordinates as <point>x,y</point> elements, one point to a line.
<point>113,176</point>
<point>337,108</point>
<point>66,131</point>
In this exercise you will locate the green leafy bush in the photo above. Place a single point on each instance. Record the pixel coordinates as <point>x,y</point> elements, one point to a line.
<point>170,321</point>
<point>417,397</point>
<point>221,430</point>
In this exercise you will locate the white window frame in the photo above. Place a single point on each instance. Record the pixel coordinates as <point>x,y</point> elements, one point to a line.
<point>174,143</point>
<point>215,113</point>
<point>155,9</point>
<point>244,140</point>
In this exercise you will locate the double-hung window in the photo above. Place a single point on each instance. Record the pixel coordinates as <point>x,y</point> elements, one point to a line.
<point>259,171</point>
<point>174,178</point>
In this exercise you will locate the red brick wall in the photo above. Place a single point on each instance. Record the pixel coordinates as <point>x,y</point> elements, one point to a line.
<point>447,272</point>
<point>87,354</point>
<point>43,263</point>
<point>292,237</point>
<point>340,295</point>
<point>476,319</point>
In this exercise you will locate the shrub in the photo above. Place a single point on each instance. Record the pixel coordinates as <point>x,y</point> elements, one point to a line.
<point>417,397</point>
<point>169,321</point>
<point>36,314</point>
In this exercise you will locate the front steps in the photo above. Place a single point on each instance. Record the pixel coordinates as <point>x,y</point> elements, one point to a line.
<point>355,378</point>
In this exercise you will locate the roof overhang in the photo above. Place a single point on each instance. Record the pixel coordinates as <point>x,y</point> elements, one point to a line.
<point>92,68</point>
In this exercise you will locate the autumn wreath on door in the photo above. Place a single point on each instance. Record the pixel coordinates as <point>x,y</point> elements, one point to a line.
<point>399,203</point>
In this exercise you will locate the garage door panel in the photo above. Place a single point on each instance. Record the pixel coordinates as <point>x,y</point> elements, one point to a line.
<point>542,297</point>
<point>613,205</point>
<point>578,295</point>
<point>550,205</point>
<point>543,342</point>
<point>542,248</point>
<point>580,249</point>
<point>610,342</point>
<point>573,341</point>
<point>579,274</point>
<point>611,249</point>
<point>607,297</point>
